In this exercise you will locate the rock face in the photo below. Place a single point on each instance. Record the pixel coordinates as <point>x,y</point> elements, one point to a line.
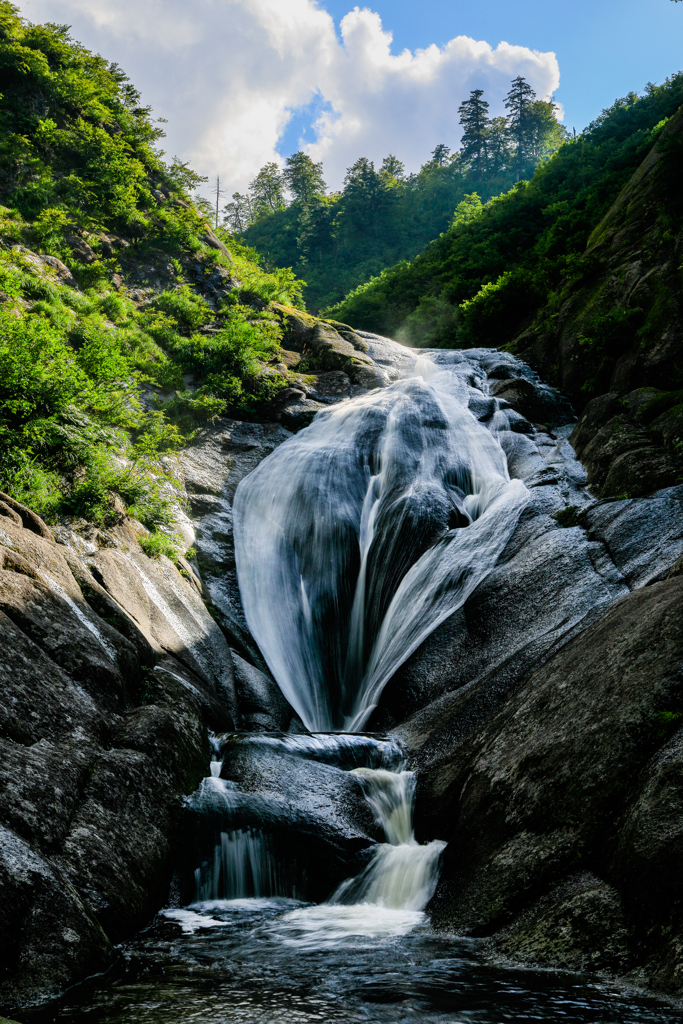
<point>571,772</point>
<point>616,334</point>
<point>111,671</point>
<point>542,719</point>
<point>630,447</point>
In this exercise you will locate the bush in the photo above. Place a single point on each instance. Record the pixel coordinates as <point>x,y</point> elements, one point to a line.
<point>157,544</point>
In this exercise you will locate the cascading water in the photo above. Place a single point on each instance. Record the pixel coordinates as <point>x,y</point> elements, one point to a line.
<point>355,539</point>
<point>360,535</point>
<point>402,875</point>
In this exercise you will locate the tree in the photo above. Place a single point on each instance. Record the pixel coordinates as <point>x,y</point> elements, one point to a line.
<point>218,192</point>
<point>546,134</point>
<point>440,155</point>
<point>519,102</point>
<point>364,200</point>
<point>266,191</point>
<point>238,214</point>
<point>474,119</point>
<point>315,240</point>
<point>304,178</point>
<point>392,166</point>
<point>497,147</point>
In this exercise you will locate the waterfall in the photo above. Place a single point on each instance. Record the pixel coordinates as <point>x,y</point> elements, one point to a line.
<point>402,875</point>
<point>357,537</point>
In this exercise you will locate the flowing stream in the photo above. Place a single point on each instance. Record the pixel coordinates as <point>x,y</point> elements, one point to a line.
<point>300,892</point>
<point>360,535</point>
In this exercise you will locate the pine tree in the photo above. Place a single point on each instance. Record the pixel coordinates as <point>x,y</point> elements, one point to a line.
<point>474,119</point>
<point>497,145</point>
<point>519,101</point>
<point>304,178</point>
<point>266,191</point>
<point>440,155</point>
<point>392,166</point>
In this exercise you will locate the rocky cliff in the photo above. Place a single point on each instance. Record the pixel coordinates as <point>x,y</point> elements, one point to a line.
<point>612,338</point>
<point>542,719</point>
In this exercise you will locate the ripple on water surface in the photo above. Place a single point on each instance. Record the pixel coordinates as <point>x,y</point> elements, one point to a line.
<point>277,961</point>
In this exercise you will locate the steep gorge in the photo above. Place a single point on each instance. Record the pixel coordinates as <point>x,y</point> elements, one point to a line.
<point>539,708</point>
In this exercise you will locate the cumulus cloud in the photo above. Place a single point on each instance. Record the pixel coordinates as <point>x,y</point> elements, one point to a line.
<point>228,75</point>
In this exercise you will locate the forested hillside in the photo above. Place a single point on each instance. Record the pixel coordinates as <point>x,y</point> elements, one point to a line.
<point>339,240</point>
<point>125,322</point>
<point>510,265</point>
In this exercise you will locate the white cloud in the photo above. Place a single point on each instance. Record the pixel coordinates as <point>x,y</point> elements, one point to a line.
<point>227,74</point>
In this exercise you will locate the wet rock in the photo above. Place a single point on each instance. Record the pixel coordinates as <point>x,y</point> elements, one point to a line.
<point>261,703</point>
<point>90,651</point>
<point>624,456</point>
<point>98,744</point>
<point>212,467</point>
<point>532,402</point>
<point>640,472</point>
<point>650,846</point>
<point>314,814</point>
<point>597,413</point>
<point>317,792</point>
<point>546,780</point>
<point>617,437</point>
<point>119,850</point>
<point>331,387</point>
<point>48,937</point>
<point>294,411</point>
<point>644,537</point>
<point>330,351</point>
<point>552,582</point>
<point>579,926</point>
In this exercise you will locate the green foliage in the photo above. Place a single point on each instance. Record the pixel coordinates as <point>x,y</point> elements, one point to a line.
<point>303,178</point>
<point>381,217</point>
<point>570,516</point>
<point>78,169</point>
<point>500,268</point>
<point>189,310</point>
<point>159,543</point>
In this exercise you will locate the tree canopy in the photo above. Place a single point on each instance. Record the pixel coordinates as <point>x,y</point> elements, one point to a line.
<point>383,216</point>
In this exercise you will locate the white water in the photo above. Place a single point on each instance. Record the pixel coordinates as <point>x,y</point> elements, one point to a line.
<point>402,875</point>
<point>243,866</point>
<point>351,543</point>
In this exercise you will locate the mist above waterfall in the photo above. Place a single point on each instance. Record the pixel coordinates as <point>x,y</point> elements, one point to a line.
<point>360,535</point>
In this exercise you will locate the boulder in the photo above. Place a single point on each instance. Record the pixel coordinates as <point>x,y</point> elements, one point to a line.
<point>48,936</point>
<point>547,780</point>
<point>102,734</point>
<point>262,706</point>
<point>328,350</point>
<point>532,401</point>
<point>640,472</point>
<point>579,925</point>
<point>80,249</point>
<point>644,536</point>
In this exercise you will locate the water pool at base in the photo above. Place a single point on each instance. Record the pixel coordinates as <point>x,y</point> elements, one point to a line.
<point>259,961</point>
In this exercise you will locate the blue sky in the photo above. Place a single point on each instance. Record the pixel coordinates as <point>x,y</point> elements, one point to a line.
<point>605,48</point>
<point>245,82</point>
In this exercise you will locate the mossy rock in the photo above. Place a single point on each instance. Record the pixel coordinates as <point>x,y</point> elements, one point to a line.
<point>660,403</point>
<point>640,472</point>
<point>297,325</point>
<point>668,428</point>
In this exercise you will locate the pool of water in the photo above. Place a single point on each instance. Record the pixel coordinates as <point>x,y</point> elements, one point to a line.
<point>259,961</point>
